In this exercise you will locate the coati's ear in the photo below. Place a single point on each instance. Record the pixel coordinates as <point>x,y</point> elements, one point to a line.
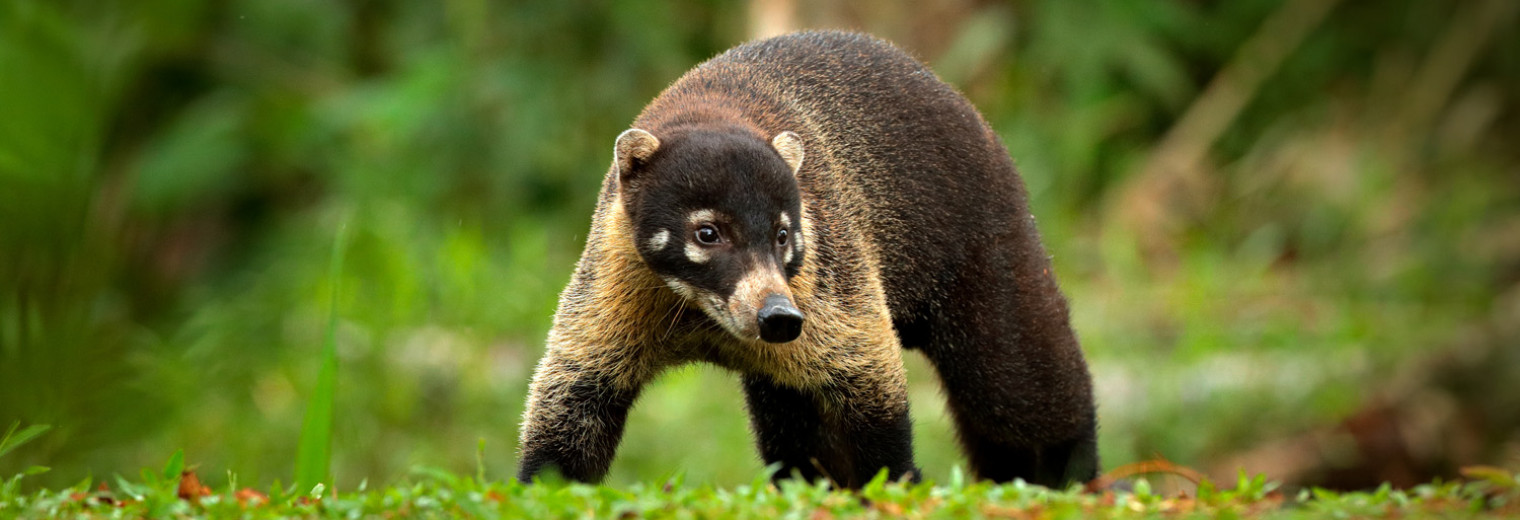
<point>634,147</point>
<point>790,147</point>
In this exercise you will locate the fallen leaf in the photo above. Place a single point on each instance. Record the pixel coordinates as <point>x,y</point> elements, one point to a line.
<point>248,496</point>
<point>889,508</point>
<point>1140,468</point>
<point>190,488</point>
<point>1496,476</point>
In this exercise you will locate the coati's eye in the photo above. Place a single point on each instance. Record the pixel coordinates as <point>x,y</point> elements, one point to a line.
<point>708,235</point>
<point>781,237</point>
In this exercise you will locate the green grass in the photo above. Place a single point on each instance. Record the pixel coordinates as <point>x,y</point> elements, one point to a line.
<point>176,491</point>
<point>436,493</point>
<point>314,452</point>
<point>14,439</point>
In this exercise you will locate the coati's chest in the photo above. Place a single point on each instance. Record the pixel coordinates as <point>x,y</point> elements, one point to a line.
<point>685,335</point>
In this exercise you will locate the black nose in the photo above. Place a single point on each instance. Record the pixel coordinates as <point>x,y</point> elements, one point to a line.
<point>780,322</point>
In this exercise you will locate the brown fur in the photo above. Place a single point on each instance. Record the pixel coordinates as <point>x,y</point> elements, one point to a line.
<point>917,234</point>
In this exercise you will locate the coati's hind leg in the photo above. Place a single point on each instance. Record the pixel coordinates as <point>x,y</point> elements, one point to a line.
<point>1017,385</point>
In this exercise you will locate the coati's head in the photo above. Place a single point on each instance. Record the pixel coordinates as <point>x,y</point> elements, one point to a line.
<point>716,214</point>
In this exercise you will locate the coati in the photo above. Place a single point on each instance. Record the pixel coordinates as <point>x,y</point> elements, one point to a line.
<point>799,210</point>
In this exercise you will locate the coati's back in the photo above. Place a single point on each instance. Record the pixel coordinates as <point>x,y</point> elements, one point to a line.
<point>935,188</point>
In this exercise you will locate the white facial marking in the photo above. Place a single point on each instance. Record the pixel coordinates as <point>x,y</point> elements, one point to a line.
<point>660,239</point>
<point>680,287</point>
<point>791,244</point>
<point>701,216</point>
<point>804,226</point>
<point>696,253</point>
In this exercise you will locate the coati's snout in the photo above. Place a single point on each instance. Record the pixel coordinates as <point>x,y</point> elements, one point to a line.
<point>779,320</point>
<point>760,307</point>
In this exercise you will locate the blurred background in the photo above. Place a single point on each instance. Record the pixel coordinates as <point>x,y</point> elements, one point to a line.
<point>1289,229</point>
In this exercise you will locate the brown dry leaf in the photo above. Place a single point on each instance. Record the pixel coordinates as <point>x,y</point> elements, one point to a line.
<point>190,488</point>
<point>1140,468</point>
<point>249,497</point>
<point>1493,475</point>
<point>821,514</point>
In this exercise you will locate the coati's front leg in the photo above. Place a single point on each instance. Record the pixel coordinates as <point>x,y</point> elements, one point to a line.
<point>846,432</point>
<point>574,419</point>
<point>879,435</point>
<point>787,425</point>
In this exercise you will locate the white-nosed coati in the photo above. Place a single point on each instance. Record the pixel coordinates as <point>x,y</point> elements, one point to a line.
<point>799,210</point>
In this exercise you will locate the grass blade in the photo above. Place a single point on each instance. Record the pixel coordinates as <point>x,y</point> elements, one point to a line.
<point>13,440</point>
<point>175,465</point>
<point>313,454</point>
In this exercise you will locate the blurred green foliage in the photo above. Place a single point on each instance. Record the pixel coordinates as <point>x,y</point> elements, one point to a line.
<point>173,174</point>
